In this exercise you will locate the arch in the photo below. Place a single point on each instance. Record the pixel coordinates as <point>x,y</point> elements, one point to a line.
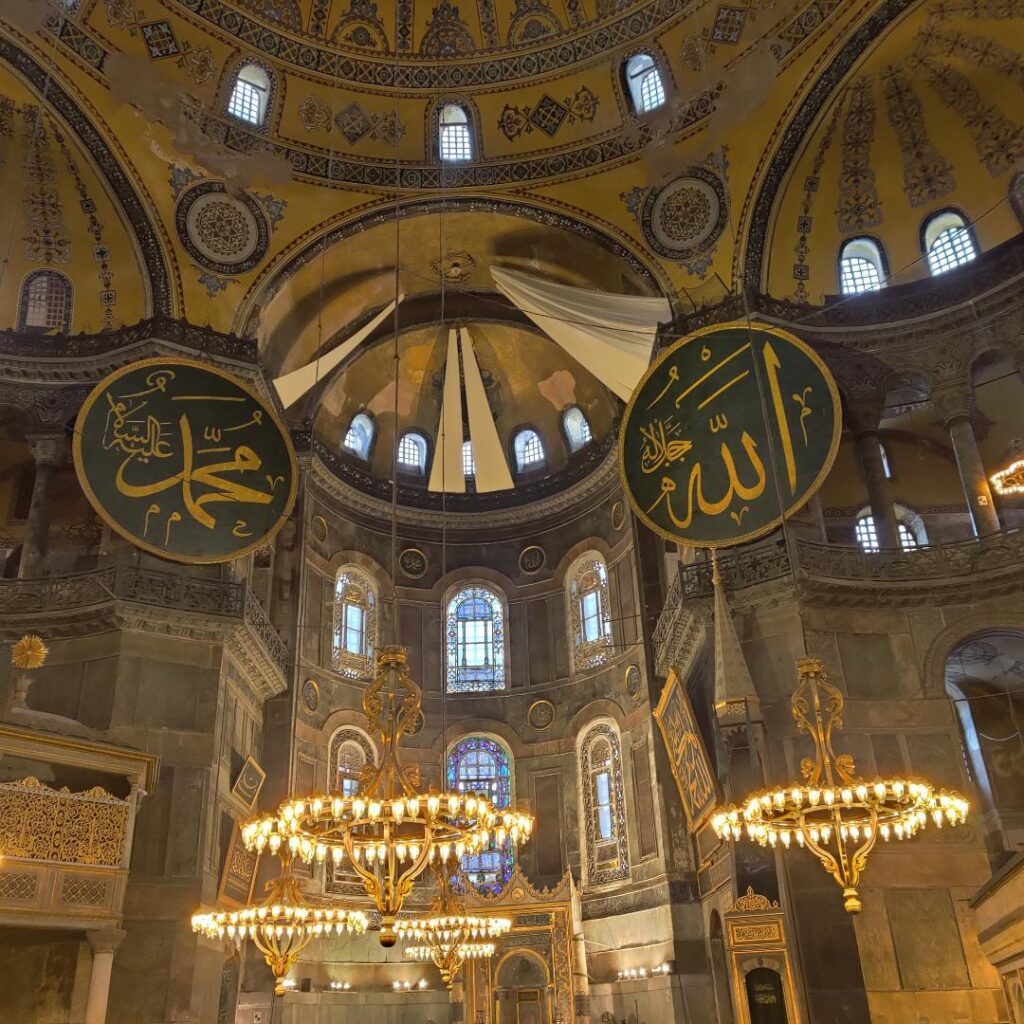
<point>588,612</point>
<point>412,452</point>
<point>476,642</point>
<point>128,199</point>
<point>454,133</point>
<point>355,623</point>
<point>576,427</point>
<point>862,266</point>
<point>528,450</point>
<point>349,750</point>
<point>360,435</point>
<point>602,804</point>
<point>644,82</point>
<point>912,533</point>
<point>947,240</point>
<point>480,763</point>
<point>250,97</point>
<point>46,302</point>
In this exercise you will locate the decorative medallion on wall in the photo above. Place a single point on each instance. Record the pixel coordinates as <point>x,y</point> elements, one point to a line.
<point>319,527</point>
<point>532,559</point>
<point>633,682</point>
<point>185,460</point>
<point>310,695</point>
<point>706,457</point>
<point>684,219</point>
<point>541,714</point>
<point>224,232</point>
<point>413,563</point>
<point>548,114</point>
<point>618,515</point>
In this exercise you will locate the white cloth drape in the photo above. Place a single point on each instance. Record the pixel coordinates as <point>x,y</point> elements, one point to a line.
<point>611,335</point>
<point>446,472</point>
<point>491,472</point>
<point>292,386</point>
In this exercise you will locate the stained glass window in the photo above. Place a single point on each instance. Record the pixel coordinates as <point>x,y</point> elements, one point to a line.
<point>604,805</point>
<point>476,641</point>
<point>589,612</point>
<point>481,765</point>
<point>355,623</point>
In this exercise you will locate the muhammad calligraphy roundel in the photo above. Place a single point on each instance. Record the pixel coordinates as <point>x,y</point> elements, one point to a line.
<point>185,460</point>
<point>731,430</point>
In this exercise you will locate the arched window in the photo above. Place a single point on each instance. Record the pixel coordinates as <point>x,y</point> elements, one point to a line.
<point>45,302</point>
<point>908,523</point>
<point>476,640</point>
<point>603,804</point>
<point>355,623</point>
<point>576,427</point>
<point>359,436</point>
<point>478,764</point>
<point>250,95</point>
<point>861,266</point>
<point>948,242</point>
<point>529,449</point>
<point>468,464</point>
<point>886,466</point>
<point>454,141</point>
<point>412,452</point>
<point>351,751</point>
<point>590,625</point>
<point>643,78</point>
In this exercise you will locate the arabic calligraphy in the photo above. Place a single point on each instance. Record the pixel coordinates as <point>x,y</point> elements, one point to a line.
<point>184,460</point>
<point>687,754</point>
<point>732,429</point>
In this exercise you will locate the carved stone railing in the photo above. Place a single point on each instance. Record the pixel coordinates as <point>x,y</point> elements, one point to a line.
<point>64,853</point>
<point>835,574</point>
<point>134,598</point>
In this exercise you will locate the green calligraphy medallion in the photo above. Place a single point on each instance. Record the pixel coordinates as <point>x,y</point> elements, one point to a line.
<point>730,431</point>
<point>185,460</point>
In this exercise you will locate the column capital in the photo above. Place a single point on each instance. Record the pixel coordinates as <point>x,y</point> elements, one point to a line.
<point>864,411</point>
<point>48,449</point>
<point>953,401</point>
<point>105,940</point>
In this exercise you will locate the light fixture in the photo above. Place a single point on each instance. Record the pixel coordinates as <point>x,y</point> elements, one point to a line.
<point>390,831</point>
<point>1011,479</point>
<point>638,973</point>
<point>834,814</point>
<point>280,927</point>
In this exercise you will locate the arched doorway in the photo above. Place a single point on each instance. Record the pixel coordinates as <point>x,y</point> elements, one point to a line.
<point>522,990</point>
<point>985,680</point>
<point>766,1002</point>
<point>720,970</point>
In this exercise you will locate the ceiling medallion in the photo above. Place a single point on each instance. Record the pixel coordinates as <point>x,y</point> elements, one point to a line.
<point>390,831</point>
<point>454,267</point>
<point>685,217</point>
<point>541,715</point>
<point>223,232</point>
<point>832,812</point>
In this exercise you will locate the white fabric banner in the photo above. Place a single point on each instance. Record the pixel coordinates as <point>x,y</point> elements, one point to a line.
<point>611,335</point>
<point>491,472</point>
<point>446,471</point>
<point>292,386</point>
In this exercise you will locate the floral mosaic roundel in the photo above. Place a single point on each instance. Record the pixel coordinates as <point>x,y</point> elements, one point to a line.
<point>223,232</point>
<point>686,216</point>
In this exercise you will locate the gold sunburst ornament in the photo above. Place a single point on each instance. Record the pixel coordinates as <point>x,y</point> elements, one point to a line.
<point>29,652</point>
<point>833,813</point>
<point>390,831</point>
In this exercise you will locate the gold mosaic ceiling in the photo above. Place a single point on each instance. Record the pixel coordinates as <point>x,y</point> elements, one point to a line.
<point>181,210</point>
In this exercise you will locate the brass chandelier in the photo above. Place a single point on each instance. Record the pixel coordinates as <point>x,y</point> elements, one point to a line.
<point>282,926</point>
<point>390,831</point>
<point>449,936</point>
<point>833,813</point>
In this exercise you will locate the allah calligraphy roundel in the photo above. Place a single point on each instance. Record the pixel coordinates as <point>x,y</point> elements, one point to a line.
<point>185,460</point>
<point>731,430</point>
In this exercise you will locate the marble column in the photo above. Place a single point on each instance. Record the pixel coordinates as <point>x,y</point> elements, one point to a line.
<point>865,416</point>
<point>49,452</point>
<point>953,405</point>
<point>104,942</point>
